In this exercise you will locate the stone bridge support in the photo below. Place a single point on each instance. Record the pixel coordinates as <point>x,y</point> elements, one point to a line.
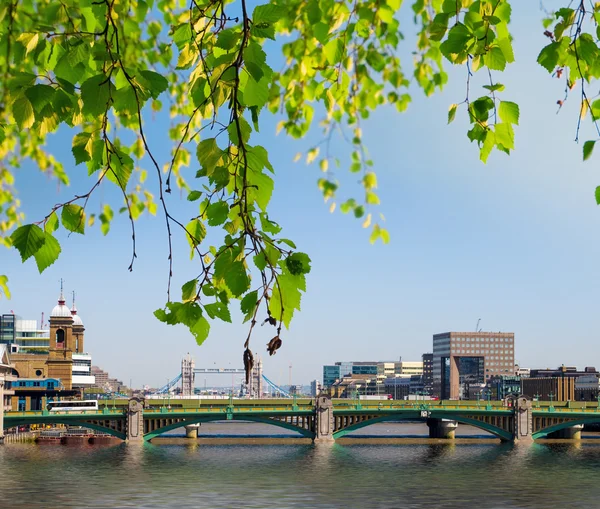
<point>441,428</point>
<point>135,420</point>
<point>324,421</point>
<point>191,431</point>
<point>523,429</point>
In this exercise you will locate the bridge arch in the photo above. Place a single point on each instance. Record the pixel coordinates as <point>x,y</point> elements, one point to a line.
<point>199,420</point>
<point>502,434</point>
<point>494,430</point>
<point>544,432</point>
<point>69,422</point>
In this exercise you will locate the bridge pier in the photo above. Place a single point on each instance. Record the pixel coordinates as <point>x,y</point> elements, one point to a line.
<point>523,428</point>
<point>135,420</point>
<point>571,433</point>
<point>324,420</point>
<point>191,431</point>
<point>442,428</point>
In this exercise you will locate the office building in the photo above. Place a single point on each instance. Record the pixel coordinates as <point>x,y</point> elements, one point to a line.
<point>461,359</point>
<point>549,388</point>
<point>428,372</point>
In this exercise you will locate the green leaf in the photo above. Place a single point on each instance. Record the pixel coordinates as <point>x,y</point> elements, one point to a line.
<point>96,94</point>
<point>73,218</point>
<point>82,147</point>
<point>452,112</point>
<point>334,51</point>
<point>506,46</point>
<point>39,96</point>
<point>495,59</point>
<point>505,135</point>
<point>48,253</point>
<point>209,154</point>
<point>255,60</point>
<point>588,148</point>
<point>458,38</point>
<point>157,83</point>
<point>4,286</point>
<point>286,296</point>
<point>194,195</point>
<point>371,198</point>
<point>262,189</point>
<point>267,13</point>
<point>288,242</point>
<point>200,330</point>
<point>236,279</point>
<point>509,112</point>
<point>23,112</point>
<point>51,223</point>
<point>182,35</point>
<point>321,31</point>
<point>217,212</point>
<point>189,290</point>
<point>228,38</point>
<point>256,94</point>
<point>244,128</point>
<point>121,168</point>
<point>196,231</point>
<point>496,87</point>
<point>370,180</point>
<point>548,57</point>
<point>598,195</point>
<point>188,314</point>
<point>248,303</point>
<point>28,240</point>
<point>298,263</point>
<point>218,310</point>
<point>232,272</point>
<point>384,235</point>
<point>489,142</point>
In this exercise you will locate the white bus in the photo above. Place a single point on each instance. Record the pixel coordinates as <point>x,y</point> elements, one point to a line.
<point>73,406</point>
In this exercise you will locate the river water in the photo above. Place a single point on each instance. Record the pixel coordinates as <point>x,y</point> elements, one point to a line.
<point>193,475</point>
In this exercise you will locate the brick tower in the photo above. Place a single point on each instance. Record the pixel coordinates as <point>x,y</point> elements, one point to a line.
<point>62,343</point>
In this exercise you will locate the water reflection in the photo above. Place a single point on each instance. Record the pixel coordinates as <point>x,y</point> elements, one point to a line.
<point>300,476</point>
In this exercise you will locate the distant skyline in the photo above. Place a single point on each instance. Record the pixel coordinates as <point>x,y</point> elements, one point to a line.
<point>515,242</point>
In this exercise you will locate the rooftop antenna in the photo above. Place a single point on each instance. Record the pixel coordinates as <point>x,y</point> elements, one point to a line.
<point>42,322</point>
<point>477,329</point>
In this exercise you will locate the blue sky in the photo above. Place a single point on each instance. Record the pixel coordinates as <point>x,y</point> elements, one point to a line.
<point>515,242</point>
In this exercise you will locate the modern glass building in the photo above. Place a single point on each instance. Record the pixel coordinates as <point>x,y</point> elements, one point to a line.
<point>334,372</point>
<point>7,329</point>
<point>330,375</point>
<point>364,368</point>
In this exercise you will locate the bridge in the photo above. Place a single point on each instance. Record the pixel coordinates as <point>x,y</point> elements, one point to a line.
<point>323,419</point>
<point>254,388</point>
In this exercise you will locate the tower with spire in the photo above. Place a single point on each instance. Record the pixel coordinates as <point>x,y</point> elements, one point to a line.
<point>62,342</point>
<point>78,329</point>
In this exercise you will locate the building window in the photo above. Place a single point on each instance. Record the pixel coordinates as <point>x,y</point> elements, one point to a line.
<point>60,338</point>
<point>38,372</point>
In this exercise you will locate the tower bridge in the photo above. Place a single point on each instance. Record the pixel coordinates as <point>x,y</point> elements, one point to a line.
<point>258,381</point>
<point>323,419</point>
